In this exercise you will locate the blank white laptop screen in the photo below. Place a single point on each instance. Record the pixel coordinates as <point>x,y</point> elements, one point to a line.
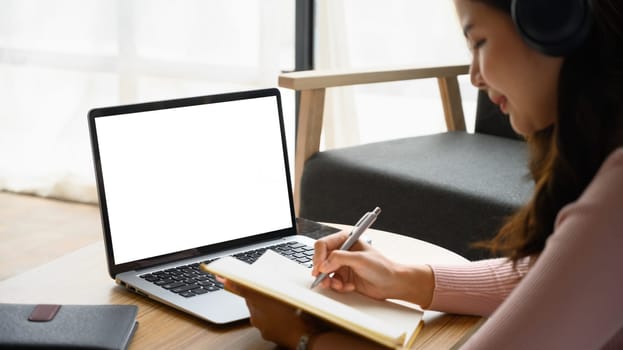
<point>187,177</point>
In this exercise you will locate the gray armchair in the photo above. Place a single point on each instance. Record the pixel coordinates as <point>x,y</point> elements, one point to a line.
<point>452,188</point>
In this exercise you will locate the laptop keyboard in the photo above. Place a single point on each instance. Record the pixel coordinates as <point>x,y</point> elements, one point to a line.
<point>190,280</point>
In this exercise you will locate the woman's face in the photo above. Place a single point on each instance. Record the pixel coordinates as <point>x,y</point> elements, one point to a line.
<point>520,80</point>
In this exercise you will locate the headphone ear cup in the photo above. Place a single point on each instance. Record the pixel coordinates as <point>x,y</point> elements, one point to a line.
<point>554,27</point>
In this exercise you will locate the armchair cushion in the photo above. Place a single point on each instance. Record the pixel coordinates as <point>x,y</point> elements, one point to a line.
<point>449,189</point>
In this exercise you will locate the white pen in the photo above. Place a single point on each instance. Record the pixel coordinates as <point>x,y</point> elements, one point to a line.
<point>366,221</point>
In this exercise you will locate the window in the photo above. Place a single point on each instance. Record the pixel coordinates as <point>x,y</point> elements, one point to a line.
<point>391,34</point>
<point>60,58</point>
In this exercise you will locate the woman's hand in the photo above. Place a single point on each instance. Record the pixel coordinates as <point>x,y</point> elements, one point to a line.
<point>277,322</point>
<point>367,271</point>
<point>362,269</point>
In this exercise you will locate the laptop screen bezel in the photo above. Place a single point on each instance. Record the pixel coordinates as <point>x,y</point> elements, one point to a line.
<point>103,112</point>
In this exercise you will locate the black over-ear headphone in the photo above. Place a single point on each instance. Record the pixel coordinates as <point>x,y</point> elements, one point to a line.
<point>554,27</point>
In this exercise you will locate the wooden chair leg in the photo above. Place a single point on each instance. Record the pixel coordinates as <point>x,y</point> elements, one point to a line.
<point>307,135</point>
<point>452,105</point>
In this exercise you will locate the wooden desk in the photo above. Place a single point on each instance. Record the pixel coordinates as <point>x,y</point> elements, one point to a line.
<point>51,252</point>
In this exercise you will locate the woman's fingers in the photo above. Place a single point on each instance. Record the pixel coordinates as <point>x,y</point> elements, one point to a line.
<point>324,246</point>
<point>342,258</point>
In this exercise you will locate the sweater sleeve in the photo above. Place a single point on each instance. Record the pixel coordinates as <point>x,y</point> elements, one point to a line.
<point>571,298</point>
<point>476,288</point>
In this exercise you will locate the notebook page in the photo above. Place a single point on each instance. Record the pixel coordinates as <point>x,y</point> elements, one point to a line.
<point>383,321</point>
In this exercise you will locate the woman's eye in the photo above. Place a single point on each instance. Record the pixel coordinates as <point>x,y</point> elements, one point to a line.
<point>478,44</point>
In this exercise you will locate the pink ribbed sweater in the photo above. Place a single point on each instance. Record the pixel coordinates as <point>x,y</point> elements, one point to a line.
<point>572,295</point>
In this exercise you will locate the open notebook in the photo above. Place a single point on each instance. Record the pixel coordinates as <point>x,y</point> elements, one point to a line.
<point>386,322</point>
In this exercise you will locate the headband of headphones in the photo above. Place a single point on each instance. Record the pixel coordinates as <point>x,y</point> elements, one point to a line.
<point>554,27</point>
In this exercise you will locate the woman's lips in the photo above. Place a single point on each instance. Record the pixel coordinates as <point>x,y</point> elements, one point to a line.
<point>502,102</point>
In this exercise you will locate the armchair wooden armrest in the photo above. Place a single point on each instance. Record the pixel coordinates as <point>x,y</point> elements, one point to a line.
<point>313,84</point>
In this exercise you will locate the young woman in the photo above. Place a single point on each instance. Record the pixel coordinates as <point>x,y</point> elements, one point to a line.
<point>561,285</point>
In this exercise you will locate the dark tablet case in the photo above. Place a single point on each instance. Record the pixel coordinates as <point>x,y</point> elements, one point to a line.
<point>67,326</point>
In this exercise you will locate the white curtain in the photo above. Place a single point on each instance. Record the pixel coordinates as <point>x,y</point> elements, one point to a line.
<point>60,58</point>
<point>341,127</point>
<point>391,34</point>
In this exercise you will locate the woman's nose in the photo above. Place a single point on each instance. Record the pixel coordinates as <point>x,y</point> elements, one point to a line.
<point>476,77</point>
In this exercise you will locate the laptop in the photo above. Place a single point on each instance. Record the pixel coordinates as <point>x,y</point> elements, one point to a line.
<point>189,180</point>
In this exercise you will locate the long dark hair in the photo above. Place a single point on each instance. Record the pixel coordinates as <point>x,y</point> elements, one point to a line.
<point>565,157</point>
